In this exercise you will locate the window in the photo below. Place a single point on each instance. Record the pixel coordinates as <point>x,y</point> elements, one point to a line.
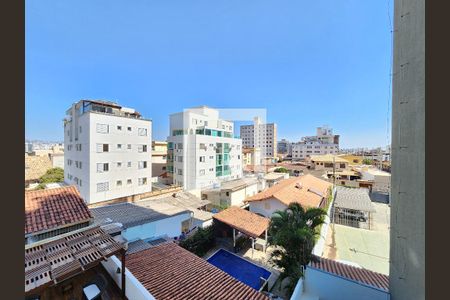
<point>142,165</point>
<point>227,193</point>
<point>102,148</point>
<point>129,181</point>
<point>129,164</point>
<point>119,164</point>
<point>142,131</point>
<point>202,159</point>
<point>119,183</point>
<point>180,146</point>
<point>129,146</point>
<point>119,128</point>
<point>102,167</point>
<point>142,181</point>
<point>80,129</point>
<point>180,158</point>
<point>119,146</point>
<point>180,172</point>
<point>78,147</point>
<point>342,166</point>
<point>142,148</point>
<point>102,128</point>
<point>202,172</point>
<point>80,183</point>
<point>129,128</point>
<point>102,187</point>
<point>69,162</point>
<point>211,157</point>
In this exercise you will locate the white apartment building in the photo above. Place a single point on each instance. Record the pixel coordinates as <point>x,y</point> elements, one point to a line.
<point>202,150</point>
<point>107,151</point>
<point>322,143</point>
<point>259,135</point>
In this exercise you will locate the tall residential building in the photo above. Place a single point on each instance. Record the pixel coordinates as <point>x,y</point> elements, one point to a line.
<point>324,142</point>
<point>107,150</point>
<point>202,150</point>
<point>407,237</point>
<point>262,136</point>
<point>284,147</point>
<point>159,158</point>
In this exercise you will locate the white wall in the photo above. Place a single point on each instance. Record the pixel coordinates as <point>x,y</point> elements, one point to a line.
<point>266,207</point>
<point>320,243</point>
<point>331,287</point>
<point>169,226</point>
<point>133,288</point>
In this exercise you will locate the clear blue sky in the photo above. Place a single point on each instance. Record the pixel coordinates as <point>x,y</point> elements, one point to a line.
<point>309,63</point>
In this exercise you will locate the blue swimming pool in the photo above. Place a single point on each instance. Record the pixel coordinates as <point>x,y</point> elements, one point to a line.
<point>239,268</point>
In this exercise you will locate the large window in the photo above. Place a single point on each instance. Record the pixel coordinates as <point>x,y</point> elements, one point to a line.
<point>142,148</point>
<point>102,167</point>
<point>102,148</point>
<point>142,131</point>
<point>142,165</point>
<point>142,181</point>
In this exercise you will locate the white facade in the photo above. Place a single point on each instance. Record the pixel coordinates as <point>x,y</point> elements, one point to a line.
<point>266,207</point>
<point>322,143</point>
<point>262,136</point>
<point>202,150</point>
<point>107,151</point>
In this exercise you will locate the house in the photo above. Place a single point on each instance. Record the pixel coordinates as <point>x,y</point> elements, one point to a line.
<point>52,212</point>
<point>202,149</point>
<point>232,192</point>
<point>144,223</point>
<point>168,271</point>
<point>381,179</point>
<point>329,279</point>
<point>107,151</point>
<point>273,178</point>
<point>307,190</point>
<point>251,156</point>
<point>327,162</point>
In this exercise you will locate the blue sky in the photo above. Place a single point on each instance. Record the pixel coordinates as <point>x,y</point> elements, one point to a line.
<point>309,63</point>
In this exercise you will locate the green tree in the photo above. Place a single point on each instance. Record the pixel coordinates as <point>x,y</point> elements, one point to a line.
<point>201,241</point>
<point>281,170</point>
<point>52,175</point>
<point>294,233</point>
<point>367,161</point>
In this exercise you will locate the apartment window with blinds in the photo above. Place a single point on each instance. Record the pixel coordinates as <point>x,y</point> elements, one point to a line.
<point>129,181</point>
<point>129,164</point>
<point>119,146</point>
<point>142,148</point>
<point>129,146</point>
<point>102,128</point>
<point>102,187</point>
<point>142,165</point>
<point>119,164</point>
<point>78,147</point>
<point>202,159</point>
<point>102,148</point>
<point>102,167</point>
<point>142,131</point>
<point>142,181</point>
<point>119,183</point>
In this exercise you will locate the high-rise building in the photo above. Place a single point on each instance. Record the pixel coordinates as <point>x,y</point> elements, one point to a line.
<point>107,150</point>
<point>324,142</point>
<point>284,147</point>
<point>202,150</point>
<point>260,135</point>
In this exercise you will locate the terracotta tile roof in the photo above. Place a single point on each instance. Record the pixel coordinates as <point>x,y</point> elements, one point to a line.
<point>243,220</point>
<point>52,208</point>
<point>361,275</point>
<point>168,271</point>
<point>310,194</point>
<point>36,166</point>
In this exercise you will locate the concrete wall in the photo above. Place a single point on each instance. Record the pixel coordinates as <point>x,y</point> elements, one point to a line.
<point>266,207</point>
<point>169,226</point>
<point>133,288</point>
<point>327,286</point>
<point>407,253</point>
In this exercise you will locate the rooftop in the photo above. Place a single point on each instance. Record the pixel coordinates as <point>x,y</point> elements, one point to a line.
<point>54,208</point>
<point>306,190</point>
<point>329,158</point>
<point>53,260</point>
<point>274,176</point>
<point>168,271</point>
<point>361,275</point>
<point>236,184</point>
<point>243,220</point>
<point>130,215</point>
<point>353,198</point>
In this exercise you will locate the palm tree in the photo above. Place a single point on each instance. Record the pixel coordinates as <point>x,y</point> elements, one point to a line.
<point>293,231</point>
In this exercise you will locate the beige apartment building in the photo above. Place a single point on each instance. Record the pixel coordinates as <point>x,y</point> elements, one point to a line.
<point>159,158</point>
<point>260,135</point>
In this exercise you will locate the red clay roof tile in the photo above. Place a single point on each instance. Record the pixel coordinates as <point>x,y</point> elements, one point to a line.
<point>52,208</point>
<point>168,271</point>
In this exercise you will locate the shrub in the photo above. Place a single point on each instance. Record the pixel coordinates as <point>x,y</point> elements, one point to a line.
<point>52,175</point>
<point>201,241</point>
<point>281,170</point>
